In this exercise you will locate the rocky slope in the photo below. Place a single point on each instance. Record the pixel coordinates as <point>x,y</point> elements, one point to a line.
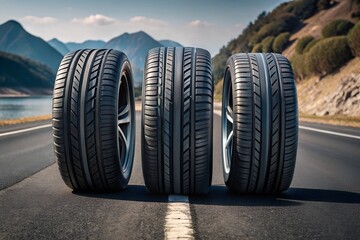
<point>346,100</point>
<point>335,94</point>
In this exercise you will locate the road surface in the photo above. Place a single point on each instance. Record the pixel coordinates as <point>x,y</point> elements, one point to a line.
<point>322,203</point>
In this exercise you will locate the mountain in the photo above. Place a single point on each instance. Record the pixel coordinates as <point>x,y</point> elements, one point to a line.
<point>93,44</point>
<point>135,46</point>
<point>64,48</point>
<point>170,43</point>
<point>59,46</point>
<point>20,75</point>
<point>14,39</point>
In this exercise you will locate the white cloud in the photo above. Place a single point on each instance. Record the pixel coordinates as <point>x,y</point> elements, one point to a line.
<point>96,19</point>
<point>199,24</point>
<point>148,21</point>
<point>39,20</point>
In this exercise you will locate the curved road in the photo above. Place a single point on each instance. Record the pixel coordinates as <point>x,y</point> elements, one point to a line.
<point>322,203</point>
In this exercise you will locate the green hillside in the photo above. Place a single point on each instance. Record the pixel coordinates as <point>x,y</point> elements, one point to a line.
<point>273,31</point>
<point>22,75</point>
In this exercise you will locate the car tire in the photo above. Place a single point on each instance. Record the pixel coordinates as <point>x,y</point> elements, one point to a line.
<point>177,119</point>
<point>259,123</point>
<point>94,120</point>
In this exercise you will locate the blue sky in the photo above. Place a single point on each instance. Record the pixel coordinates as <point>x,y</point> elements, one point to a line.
<point>202,23</point>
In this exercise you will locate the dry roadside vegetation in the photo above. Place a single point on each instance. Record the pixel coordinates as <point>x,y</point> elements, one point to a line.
<point>24,120</point>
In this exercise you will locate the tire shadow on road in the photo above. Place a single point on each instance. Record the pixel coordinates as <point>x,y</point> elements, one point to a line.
<point>320,195</point>
<point>220,195</point>
<point>136,193</point>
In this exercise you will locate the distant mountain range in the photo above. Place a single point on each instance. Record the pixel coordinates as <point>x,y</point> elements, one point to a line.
<point>170,43</point>
<point>59,46</point>
<point>73,46</point>
<point>134,45</point>
<point>20,75</point>
<point>14,39</point>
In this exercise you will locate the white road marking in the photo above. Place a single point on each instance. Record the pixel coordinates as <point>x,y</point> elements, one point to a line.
<point>178,224</point>
<point>25,130</point>
<point>218,112</point>
<point>329,132</point>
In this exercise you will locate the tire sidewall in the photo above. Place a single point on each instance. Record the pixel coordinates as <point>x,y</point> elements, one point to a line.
<point>125,67</point>
<point>228,76</point>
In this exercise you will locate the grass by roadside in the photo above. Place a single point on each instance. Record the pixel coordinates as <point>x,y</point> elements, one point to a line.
<point>24,120</point>
<point>339,120</point>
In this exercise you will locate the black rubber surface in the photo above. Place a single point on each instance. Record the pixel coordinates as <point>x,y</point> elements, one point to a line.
<point>265,123</point>
<point>85,120</point>
<point>177,118</point>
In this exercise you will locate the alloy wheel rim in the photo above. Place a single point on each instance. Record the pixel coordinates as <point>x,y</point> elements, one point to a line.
<point>124,120</point>
<point>227,119</point>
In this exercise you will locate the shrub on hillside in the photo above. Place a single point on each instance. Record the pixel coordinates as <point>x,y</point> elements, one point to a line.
<point>219,62</point>
<point>328,55</point>
<point>302,8</point>
<point>355,14</point>
<point>280,42</point>
<point>299,65</point>
<point>337,27</point>
<point>257,48</point>
<point>354,39</point>
<point>283,23</point>
<point>267,44</point>
<point>302,43</point>
<point>323,4</point>
<point>310,45</point>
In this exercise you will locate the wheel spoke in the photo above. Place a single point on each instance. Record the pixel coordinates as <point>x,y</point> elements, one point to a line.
<point>229,139</point>
<point>229,114</point>
<point>123,116</point>
<point>124,120</point>
<point>123,138</point>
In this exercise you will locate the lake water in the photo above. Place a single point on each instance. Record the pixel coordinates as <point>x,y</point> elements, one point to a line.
<point>18,107</point>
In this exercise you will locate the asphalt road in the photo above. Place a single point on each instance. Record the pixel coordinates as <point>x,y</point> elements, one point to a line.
<point>322,203</point>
